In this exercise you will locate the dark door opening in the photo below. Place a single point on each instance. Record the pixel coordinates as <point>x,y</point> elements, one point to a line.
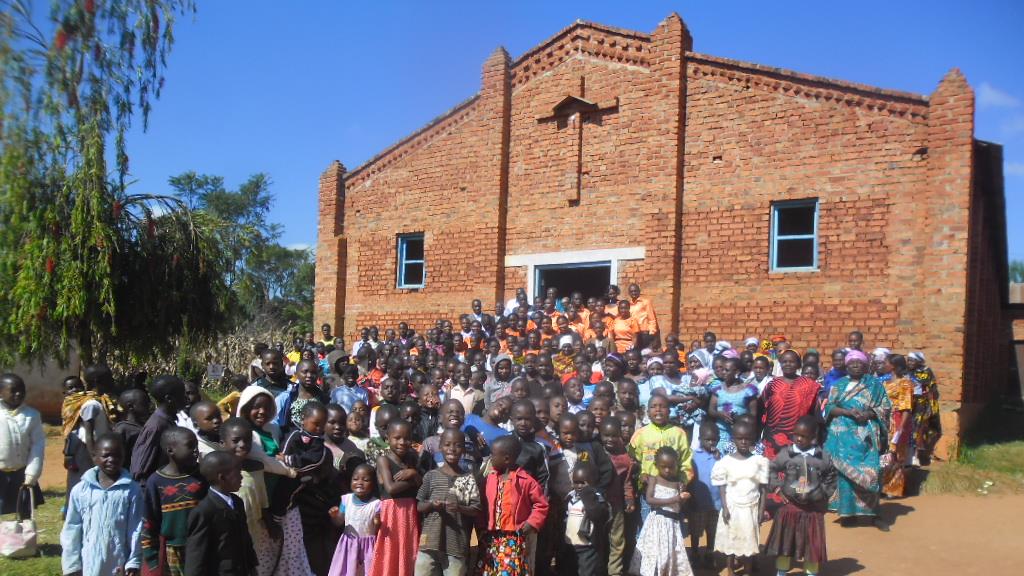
<point>589,278</point>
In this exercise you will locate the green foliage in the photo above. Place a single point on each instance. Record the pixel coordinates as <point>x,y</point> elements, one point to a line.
<point>1016,271</point>
<point>82,261</point>
<point>269,281</point>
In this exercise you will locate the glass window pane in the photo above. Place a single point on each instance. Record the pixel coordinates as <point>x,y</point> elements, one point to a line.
<point>414,248</point>
<point>413,275</point>
<point>795,220</point>
<point>794,253</point>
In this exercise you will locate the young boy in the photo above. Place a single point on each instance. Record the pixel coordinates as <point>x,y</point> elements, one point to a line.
<point>206,421</point>
<point>573,390</point>
<point>621,497</point>
<point>646,441</point>
<point>430,403</point>
<point>218,536</point>
<point>169,392</point>
<point>103,528</point>
<point>136,408</point>
<point>706,502</point>
<point>586,516</point>
<point>533,457</point>
<point>171,493</point>
<point>516,511</point>
<point>22,443</point>
<point>448,500</point>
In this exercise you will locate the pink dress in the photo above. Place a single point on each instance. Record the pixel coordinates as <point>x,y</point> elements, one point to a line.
<point>354,554</point>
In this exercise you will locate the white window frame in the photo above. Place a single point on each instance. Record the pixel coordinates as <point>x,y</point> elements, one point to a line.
<point>775,237</point>
<point>403,241</point>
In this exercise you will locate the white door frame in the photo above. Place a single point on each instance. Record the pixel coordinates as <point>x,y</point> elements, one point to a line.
<point>611,255</point>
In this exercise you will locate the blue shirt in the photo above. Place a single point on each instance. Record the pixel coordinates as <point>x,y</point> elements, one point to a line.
<point>490,432</point>
<point>705,496</point>
<point>346,396</point>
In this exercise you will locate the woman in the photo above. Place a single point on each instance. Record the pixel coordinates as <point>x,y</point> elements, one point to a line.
<point>786,399</point>
<point>625,329</point>
<point>927,426</point>
<point>901,393</point>
<point>857,416</point>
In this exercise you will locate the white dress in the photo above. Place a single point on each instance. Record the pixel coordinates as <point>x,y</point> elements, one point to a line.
<point>661,546</point>
<point>742,480</point>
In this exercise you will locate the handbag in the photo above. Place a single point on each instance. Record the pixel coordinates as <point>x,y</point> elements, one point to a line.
<point>18,536</point>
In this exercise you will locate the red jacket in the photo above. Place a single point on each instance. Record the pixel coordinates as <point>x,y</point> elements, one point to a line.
<point>523,497</point>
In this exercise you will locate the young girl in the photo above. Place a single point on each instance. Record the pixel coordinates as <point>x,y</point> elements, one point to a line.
<point>731,398</point>
<point>661,546</point>
<point>399,480</point>
<point>807,479</point>
<point>22,443</point>
<point>359,513</point>
<point>741,478</point>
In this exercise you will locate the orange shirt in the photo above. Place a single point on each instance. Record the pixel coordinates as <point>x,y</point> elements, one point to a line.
<point>624,331</point>
<point>585,317</point>
<point>643,311</point>
<point>611,309</point>
<point>578,327</point>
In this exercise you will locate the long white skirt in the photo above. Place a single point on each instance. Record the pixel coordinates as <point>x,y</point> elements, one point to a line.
<point>742,535</point>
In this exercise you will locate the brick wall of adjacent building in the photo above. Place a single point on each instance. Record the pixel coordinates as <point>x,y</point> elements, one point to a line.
<point>685,160</point>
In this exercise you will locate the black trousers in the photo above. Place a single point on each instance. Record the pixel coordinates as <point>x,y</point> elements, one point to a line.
<point>582,561</point>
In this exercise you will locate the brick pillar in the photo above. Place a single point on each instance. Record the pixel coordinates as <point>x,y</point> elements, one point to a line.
<point>495,126</point>
<point>669,44</point>
<point>950,167</point>
<point>329,295</point>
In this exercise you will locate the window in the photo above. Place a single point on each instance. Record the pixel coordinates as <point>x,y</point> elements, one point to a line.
<point>794,243</point>
<point>411,268</point>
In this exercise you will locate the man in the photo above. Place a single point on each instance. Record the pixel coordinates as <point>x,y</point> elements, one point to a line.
<point>643,311</point>
<point>325,332</point>
<point>364,340</point>
<point>521,299</point>
<point>486,320</point>
<point>855,341</point>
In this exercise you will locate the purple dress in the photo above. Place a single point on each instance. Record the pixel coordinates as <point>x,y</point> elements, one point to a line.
<point>354,554</point>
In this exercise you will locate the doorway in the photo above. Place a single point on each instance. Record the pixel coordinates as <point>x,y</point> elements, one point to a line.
<point>587,278</point>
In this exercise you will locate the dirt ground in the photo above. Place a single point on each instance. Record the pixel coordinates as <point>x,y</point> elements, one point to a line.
<point>931,534</point>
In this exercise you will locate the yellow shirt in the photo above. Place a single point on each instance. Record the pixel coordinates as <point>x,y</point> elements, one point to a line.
<point>646,441</point>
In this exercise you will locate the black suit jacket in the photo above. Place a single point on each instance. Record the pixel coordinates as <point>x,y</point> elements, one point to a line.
<point>218,539</point>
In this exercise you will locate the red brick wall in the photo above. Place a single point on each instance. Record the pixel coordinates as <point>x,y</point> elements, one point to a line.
<point>686,167</point>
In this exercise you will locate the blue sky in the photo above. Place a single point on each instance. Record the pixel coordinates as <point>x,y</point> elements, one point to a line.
<point>287,87</point>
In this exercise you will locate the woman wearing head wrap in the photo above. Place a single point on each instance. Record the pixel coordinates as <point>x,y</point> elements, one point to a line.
<point>927,426</point>
<point>858,416</point>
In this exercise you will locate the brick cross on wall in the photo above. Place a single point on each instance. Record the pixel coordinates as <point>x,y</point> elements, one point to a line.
<point>573,112</point>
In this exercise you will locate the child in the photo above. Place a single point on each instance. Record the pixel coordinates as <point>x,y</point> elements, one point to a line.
<point>192,395</point>
<point>359,513</point>
<point>228,404</point>
<point>463,389</point>
<point>706,501</point>
<point>429,402</point>
<point>345,455</point>
<point>533,457</point>
<point>573,390</point>
<point>85,416</point>
<point>621,496</point>
<point>448,499</point>
<point>206,422</point>
<point>378,445</point>
<point>349,391</point>
<point>807,479</point>
<point>661,546</point>
<point>489,427</point>
<point>103,528</point>
<point>136,409</point>
<point>452,418</point>
<point>218,535</point>
<point>169,392</point>
<point>171,493</point>
<point>357,429</point>
<point>741,478</point>
<point>236,438</point>
<point>516,510</point>
<point>22,444</point>
<point>400,480</point>
<point>586,516</point>
<point>644,445</point>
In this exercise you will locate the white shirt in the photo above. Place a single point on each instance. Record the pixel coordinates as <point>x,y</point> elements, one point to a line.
<point>92,411</point>
<point>231,503</point>
<point>22,441</point>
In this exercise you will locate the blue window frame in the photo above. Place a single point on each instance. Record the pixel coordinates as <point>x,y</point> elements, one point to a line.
<point>412,269</point>
<point>794,241</point>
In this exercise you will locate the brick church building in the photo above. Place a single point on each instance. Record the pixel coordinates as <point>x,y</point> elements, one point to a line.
<point>744,199</point>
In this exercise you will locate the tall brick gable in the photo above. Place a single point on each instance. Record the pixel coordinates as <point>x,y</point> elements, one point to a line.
<point>608,141</point>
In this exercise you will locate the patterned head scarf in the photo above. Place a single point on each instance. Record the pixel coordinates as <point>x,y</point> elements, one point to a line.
<point>854,355</point>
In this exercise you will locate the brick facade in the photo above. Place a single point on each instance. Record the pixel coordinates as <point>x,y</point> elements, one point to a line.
<point>606,139</point>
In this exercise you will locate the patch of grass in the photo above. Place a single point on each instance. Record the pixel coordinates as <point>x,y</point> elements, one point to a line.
<point>48,525</point>
<point>991,460</point>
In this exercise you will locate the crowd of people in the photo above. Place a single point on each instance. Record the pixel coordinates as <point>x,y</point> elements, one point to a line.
<point>563,436</point>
